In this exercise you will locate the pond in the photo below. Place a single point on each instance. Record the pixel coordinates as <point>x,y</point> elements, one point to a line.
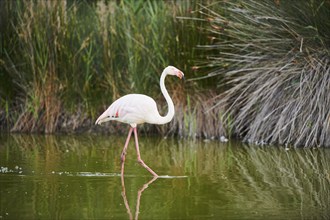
<point>78,177</point>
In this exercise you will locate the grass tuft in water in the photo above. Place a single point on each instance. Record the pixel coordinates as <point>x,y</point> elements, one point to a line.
<point>274,58</point>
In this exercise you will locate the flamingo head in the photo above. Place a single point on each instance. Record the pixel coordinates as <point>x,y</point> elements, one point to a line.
<point>171,70</point>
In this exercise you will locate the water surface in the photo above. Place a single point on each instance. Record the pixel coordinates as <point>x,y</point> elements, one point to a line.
<point>78,177</point>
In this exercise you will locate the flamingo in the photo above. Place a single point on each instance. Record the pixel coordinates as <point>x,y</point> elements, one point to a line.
<point>134,109</point>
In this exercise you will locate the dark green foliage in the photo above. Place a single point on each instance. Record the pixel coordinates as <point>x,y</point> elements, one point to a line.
<point>66,61</point>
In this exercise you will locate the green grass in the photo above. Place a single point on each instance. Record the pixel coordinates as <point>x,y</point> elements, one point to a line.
<point>69,60</point>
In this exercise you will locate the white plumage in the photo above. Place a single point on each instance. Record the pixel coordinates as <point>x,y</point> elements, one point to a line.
<point>136,109</point>
<point>133,109</point>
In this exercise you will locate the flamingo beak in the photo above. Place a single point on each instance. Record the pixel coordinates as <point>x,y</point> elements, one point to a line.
<point>103,118</point>
<point>98,121</point>
<point>180,75</point>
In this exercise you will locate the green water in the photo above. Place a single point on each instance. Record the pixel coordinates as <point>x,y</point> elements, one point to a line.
<point>78,177</point>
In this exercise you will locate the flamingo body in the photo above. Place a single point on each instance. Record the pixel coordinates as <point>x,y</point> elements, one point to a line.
<point>132,109</point>
<point>135,109</point>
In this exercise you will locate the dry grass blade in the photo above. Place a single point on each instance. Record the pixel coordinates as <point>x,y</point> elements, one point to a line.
<point>275,59</point>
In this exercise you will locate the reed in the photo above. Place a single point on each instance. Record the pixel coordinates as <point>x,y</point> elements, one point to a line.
<point>274,58</point>
<point>70,60</point>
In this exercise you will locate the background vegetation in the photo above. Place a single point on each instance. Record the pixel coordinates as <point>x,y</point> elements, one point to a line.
<point>275,58</point>
<point>258,70</point>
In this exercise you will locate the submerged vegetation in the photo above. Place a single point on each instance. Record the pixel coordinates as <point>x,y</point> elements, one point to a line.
<point>257,70</point>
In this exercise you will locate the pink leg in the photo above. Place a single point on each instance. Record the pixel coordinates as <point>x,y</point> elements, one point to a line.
<point>123,154</point>
<point>138,154</point>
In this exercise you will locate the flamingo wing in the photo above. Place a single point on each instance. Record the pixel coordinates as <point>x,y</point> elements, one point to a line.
<point>132,109</point>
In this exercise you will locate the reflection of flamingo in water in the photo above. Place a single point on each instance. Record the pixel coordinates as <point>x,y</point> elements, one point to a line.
<point>136,109</point>
<point>139,194</point>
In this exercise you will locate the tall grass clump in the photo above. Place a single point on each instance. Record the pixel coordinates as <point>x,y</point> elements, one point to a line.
<point>66,61</point>
<point>33,70</point>
<point>274,56</point>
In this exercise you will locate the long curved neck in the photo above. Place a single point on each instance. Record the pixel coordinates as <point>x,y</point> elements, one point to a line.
<point>170,114</point>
